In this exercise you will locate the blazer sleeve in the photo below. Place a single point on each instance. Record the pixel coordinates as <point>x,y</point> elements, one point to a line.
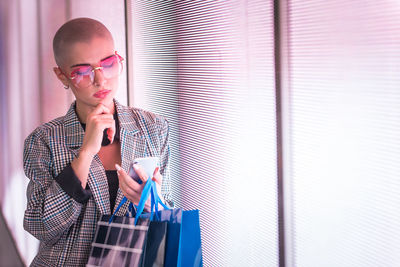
<point>50,211</point>
<point>165,162</point>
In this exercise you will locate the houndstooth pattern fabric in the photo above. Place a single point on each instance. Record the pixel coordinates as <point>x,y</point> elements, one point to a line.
<point>65,227</point>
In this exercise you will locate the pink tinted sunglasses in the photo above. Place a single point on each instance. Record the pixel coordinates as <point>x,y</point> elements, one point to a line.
<point>82,75</point>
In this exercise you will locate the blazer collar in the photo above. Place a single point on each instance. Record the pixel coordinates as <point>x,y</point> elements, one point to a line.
<point>73,128</point>
<point>125,119</point>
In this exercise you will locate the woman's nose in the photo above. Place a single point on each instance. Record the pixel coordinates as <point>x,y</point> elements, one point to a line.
<point>99,79</point>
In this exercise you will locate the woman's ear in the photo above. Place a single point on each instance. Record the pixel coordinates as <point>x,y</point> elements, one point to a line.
<point>61,76</point>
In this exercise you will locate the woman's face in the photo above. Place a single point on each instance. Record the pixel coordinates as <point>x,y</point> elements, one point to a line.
<point>81,59</point>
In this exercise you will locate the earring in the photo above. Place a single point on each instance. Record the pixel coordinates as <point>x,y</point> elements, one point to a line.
<point>66,87</point>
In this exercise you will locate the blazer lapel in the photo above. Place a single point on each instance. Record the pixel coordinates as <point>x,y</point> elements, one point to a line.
<point>98,184</point>
<point>133,145</point>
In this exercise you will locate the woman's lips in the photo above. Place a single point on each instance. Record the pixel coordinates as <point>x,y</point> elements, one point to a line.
<point>102,93</point>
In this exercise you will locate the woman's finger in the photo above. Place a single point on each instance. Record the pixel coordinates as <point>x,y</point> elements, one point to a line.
<point>157,177</point>
<point>108,123</point>
<point>102,116</point>
<point>99,124</point>
<point>130,188</point>
<point>111,133</point>
<point>100,109</point>
<point>126,181</point>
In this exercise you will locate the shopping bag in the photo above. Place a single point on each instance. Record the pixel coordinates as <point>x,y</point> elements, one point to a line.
<point>190,253</point>
<point>183,246</point>
<point>119,242</point>
<point>154,254</point>
<point>124,241</point>
<point>183,243</point>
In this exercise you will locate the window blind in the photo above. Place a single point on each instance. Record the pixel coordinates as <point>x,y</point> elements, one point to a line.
<point>345,110</point>
<point>208,67</point>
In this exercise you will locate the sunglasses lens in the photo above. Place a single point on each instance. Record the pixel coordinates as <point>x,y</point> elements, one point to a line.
<point>82,76</point>
<point>112,67</point>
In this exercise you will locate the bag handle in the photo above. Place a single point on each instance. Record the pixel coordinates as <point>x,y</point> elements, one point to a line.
<point>123,200</point>
<point>150,189</point>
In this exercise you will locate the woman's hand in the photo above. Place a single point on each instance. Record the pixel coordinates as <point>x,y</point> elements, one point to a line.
<point>97,120</point>
<point>133,190</point>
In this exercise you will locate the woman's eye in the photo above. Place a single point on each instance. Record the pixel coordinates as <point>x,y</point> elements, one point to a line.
<point>82,71</point>
<point>108,63</point>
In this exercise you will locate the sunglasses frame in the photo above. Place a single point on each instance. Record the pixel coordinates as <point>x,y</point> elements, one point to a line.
<point>120,59</point>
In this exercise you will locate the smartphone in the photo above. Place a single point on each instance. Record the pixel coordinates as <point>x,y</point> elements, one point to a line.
<point>149,164</point>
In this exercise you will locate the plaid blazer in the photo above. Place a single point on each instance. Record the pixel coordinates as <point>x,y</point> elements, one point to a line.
<point>64,226</point>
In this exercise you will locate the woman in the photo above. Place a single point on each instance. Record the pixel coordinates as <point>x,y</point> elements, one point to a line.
<point>71,161</point>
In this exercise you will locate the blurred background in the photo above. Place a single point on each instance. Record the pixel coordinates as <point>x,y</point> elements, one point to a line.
<point>284,116</point>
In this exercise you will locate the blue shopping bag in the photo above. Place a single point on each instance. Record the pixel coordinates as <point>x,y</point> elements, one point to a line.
<point>190,240</point>
<point>183,241</point>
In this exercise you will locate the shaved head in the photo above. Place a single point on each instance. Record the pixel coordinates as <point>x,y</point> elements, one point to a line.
<point>74,31</point>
